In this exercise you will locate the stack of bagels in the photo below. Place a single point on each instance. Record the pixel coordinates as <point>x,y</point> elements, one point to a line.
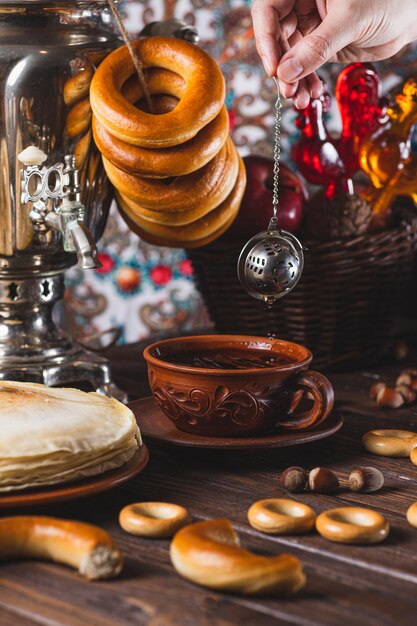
<point>178,177</point>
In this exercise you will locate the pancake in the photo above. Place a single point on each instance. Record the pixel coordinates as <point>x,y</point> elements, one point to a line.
<point>53,435</point>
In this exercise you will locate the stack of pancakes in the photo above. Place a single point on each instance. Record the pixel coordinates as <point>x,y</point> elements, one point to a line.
<point>182,192</point>
<point>58,435</point>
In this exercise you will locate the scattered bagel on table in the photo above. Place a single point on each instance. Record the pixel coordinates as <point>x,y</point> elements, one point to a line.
<point>85,547</point>
<point>350,524</point>
<point>174,168</point>
<point>281,516</point>
<point>209,554</point>
<point>390,442</point>
<point>412,514</point>
<point>153,519</point>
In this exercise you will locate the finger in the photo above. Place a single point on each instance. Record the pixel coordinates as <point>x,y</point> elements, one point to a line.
<point>314,84</point>
<point>288,26</point>
<point>302,96</point>
<point>265,17</point>
<point>287,90</point>
<point>313,50</point>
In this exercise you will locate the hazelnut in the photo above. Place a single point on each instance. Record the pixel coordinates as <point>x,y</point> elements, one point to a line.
<point>323,480</point>
<point>294,479</point>
<point>400,350</point>
<point>375,389</point>
<point>403,379</point>
<point>407,393</point>
<point>411,371</point>
<point>366,479</point>
<point>389,398</point>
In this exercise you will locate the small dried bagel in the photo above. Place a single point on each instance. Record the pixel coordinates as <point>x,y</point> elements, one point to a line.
<point>78,119</point>
<point>153,519</point>
<point>168,243</point>
<point>77,87</point>
<point>85,547</point>
<point>199,228</point>
<point>165,162</point>
<point>200,104</point>
<point>209,554</point>
<point>205,188</point>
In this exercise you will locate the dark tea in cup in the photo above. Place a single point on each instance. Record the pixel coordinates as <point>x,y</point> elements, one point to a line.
<point>233,385</point>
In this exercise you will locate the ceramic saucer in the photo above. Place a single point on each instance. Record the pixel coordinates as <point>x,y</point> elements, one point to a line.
<point>155,426</point>
<point>85,487</point>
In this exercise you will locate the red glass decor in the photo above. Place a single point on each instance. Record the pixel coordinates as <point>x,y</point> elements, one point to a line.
<point>316,153</point>
<point>358,95</point>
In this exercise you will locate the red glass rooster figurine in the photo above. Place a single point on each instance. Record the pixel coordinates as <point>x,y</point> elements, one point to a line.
<point>323,160</point>
<point>358,95</point>
<point>316,153</point>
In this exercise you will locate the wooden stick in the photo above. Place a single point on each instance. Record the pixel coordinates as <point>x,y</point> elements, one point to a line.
<point>135,56</point>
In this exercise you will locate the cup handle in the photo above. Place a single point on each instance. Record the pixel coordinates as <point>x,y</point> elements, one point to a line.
<point>323,396</point>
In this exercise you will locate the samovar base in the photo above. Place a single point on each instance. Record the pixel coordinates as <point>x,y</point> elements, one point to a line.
<point>81,369</point>
<point>34,349</point>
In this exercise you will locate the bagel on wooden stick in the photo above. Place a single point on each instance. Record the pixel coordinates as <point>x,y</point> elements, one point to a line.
<point>209,554</point>
<point>204,188</point>
<point>87,548</point>
<point>200,104</point>
<point>168,243</point>
<point>162,162</point>
<point>194,229</point>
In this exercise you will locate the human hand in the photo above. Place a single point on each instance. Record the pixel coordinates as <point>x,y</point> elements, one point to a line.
<point>327,30</point>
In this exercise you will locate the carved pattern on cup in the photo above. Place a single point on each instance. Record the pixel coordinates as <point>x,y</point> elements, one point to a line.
<point>242,407</point>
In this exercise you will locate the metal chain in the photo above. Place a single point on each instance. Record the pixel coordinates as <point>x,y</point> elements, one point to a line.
<point>277,150</point>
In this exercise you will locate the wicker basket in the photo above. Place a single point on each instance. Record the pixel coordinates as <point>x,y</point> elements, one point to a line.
<point>344,308</point>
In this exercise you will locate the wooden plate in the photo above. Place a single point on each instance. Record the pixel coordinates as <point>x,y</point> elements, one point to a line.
<point>85,487</point>
<point>155,426</point>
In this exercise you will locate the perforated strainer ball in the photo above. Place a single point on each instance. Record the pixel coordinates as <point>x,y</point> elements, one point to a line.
<point>270,265</point>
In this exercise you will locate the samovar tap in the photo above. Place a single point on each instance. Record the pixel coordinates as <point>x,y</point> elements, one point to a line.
<point>57,206</point>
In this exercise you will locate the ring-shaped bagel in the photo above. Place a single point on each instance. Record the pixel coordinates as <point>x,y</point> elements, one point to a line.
<point>412,515</point>
<point>205,188</point>
<point>78,119</point>
<point>352,524</point>
<point>413,456</point>
<point>281,516</point>
<point>209,554</point>
<point>77,87</point>
<point>200,104</point>
<point>153,519</point>
<point>202,227</point>
<point>167,243</point>
<point>390,442</point>
<point>165,162</point>
<point>158,80</point>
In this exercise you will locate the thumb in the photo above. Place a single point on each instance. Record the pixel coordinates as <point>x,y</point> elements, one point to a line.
<point>314,49</point>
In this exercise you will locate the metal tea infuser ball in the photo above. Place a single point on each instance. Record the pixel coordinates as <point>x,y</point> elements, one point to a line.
<point>271,263</point>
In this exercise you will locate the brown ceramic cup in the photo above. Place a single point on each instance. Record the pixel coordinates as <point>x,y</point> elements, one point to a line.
<point>234,385</point>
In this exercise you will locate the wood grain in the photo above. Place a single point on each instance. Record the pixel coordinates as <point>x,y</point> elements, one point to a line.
<point>352,585</point>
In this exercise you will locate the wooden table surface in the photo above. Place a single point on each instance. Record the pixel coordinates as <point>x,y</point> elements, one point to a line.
<point>347,585</point>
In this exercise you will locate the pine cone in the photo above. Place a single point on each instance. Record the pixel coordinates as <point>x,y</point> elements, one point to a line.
<point>339,218</point>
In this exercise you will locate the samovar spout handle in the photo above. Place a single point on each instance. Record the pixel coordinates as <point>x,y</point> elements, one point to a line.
<point>85,246</point>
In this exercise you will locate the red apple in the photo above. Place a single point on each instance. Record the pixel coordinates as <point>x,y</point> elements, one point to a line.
<point>256,208</point>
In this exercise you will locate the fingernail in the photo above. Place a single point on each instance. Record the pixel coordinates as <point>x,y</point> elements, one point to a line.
<point>267,65</point>
<point>316,91</point>
<point>290,69</point>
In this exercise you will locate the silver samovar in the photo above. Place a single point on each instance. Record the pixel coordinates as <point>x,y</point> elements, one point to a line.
<point>54,195</point>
